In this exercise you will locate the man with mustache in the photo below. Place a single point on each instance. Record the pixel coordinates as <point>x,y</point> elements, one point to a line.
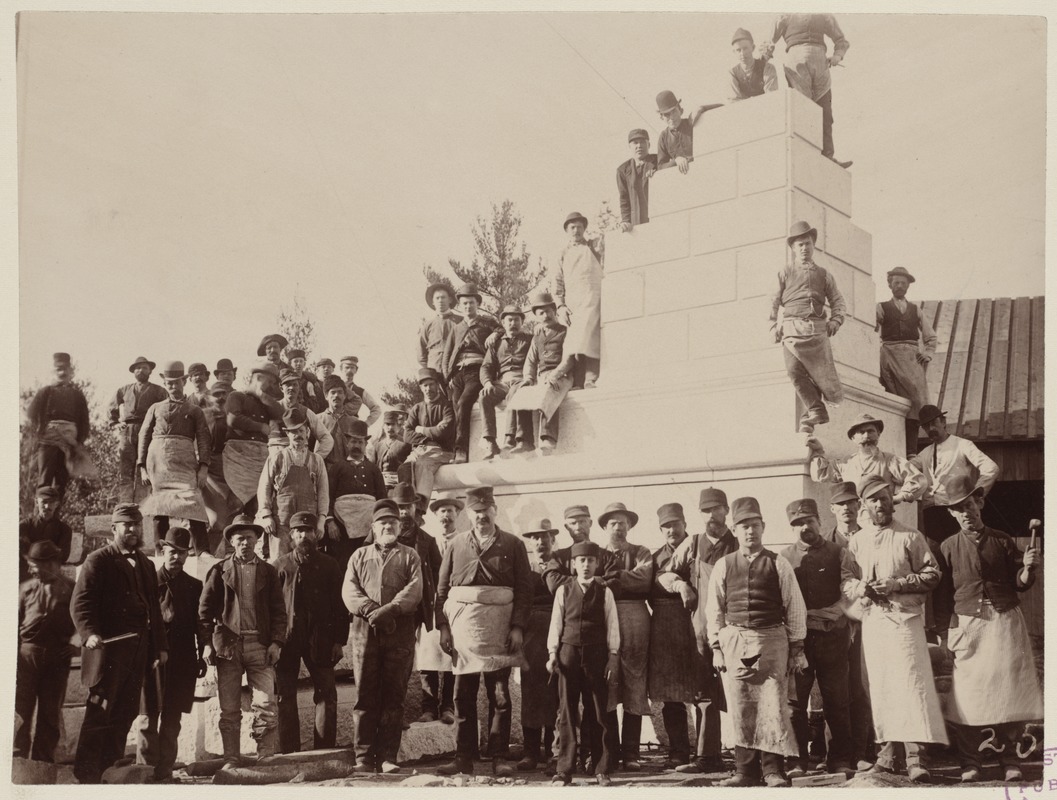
<point>633,181</point>
<point>389,451</point>
<point>128,407</point>
<point>502,371</point>
<point>321,438</point>
<point>438,328</point>
<point>430,430</point>
<point>577,289</point>
<point>908,344</point>
<point>58,415</point>
<point>356,397</point>
<point>355,485</point>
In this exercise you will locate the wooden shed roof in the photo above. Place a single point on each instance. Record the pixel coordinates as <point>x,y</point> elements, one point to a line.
<point>988,373</point>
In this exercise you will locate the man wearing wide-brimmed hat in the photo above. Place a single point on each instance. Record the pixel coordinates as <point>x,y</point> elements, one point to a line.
<point>548,363</point>
<point>271,349</point>
<point>128,407</point>
<point>905,479</point>
<point>576,284</point>
<point>438,328</point>
<point>58,417</point>
<point>430,430</point>
<point>502,371</point>
<point>908,344</point>
<point>803,329</point>
<point>633,180</point>
<point>175,449</point>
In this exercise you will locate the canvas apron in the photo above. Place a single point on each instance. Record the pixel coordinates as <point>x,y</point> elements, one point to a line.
<point>244,462</point>
<point>428,655</point>
<point>539,694</point>
<point>808,342</point>
<point>479,617</point>
<point>62,434</point>
<point>628,686</point>
<point>675,663</point>
<point>583,296</point>
<point>172,468</point>
<point>902,375</point>
<point>355,511</point>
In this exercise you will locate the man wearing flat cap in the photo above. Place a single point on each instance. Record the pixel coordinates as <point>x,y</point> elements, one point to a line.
<point>484,598</point>
<point>119,620</point>
<point>633,181</point>
<point>175,449</point>
<point>382,591</point>
<point>250,414</point>
<point>547,363</point>
<point>502,371</point>
<point>243,615</point>
<point>898,570</point>
<point>576,283</point>
<point>908,344</point>
<point>803,328</point>
<point>750,76</point>
<point>293,479</point>
<point>311,393</point>
<point>904,478</point>
<point>58,417</point>
<point>44,652</point>
<point>430,430</point>
<point>178,596</point>
<point>44,525</point>
<point>756,627</point>
<point>317,628</point>
<point>356,397</point>
<point>128,407</point>
<point>438,327</point>
<point>324,368</point>
<point>388,451</point>
<point>686,574</point>
<point>821,568</point>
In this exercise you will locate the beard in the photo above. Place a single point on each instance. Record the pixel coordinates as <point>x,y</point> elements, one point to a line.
<point>881,518</point>
<point>387,539</point>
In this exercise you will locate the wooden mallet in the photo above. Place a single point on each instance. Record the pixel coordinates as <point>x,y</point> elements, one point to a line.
<point>1033,526</point>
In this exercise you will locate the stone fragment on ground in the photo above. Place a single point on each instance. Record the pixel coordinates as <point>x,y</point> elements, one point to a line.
<point>25,771</point>
<point>130,773</point>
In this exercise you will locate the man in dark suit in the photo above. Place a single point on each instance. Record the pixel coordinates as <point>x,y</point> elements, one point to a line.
<point>117,615</point>
<point>178,597</point>
<point>633,181</point>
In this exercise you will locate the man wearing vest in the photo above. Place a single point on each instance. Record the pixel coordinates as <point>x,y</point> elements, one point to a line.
<point>356,396</point>
<point>751,76</point>
<point>687,574</point>
<point>756,627</point>
<point>128,407</point>
<point>821,568</point>
<point>908,344</point>
<point>502,372</point>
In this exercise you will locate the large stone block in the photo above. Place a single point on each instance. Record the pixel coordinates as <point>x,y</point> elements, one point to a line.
<point>805,117</point>
<point>758,268</point>
<point>763,165</point>
<point>730,328</point>
<point>740,122</point>
<point>848,242</point>
<point>711,178</point>
<point>842,274</point>
<point>640,343</point>
<point>748,220</point>
<point>696,281</point>
<point>856,346</point>
<point>622,295</point>
<point>865,292</point>
<point>27,772</point>
<point>663,239</point>
<point>820,177</point>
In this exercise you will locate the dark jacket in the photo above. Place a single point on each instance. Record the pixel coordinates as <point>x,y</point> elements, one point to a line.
<point>466,338</point>
<point>504,563</point>
<point>34,529</point>
<point>634,189</point>
<point>104,603</point>
<point>60,401</point>
<point>439,421</point>
<point>982,567</point>
<point>429,554</point>
<point>185,640</point>
<point>218,610</point>
<point>314,609</point>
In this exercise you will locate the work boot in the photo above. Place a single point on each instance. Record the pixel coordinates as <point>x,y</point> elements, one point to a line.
<point>459,766</point>
<point>489,448</point>
<point>501,769</point>
<point>447,717</point>
<point>365,766</point>
<point>919,775</point>
<point>531,753</point>
<point>428,716</point>
<point>232,755</point>
<point>774,780</point>
<point>737,779</point>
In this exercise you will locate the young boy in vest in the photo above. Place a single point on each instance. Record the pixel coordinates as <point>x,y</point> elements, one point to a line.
<point>583,630</point>
<point>751,76</point>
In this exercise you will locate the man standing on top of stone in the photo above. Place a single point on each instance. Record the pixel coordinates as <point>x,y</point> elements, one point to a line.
<point>462,360</point>
<point>311,388</point>
<point>174,454</point>
<point>686,574</point>
<point>751,76</point>
<point>502,372</point>
<point>58,416</point>
<point>389,451</point>
<point>430,430</point>
<point>437,329</point>
<point>807,69</point>
<point>356,397</point>
<point>675,145</point>
<point>908,344</point>
<point>250,414</point>
<point>44,526</point>
<point>128,407</point>
<point>803,329</point>
<point>633,181</point>
<point>577,288</point>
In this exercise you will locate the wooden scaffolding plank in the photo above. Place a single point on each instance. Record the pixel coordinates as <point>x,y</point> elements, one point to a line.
<point>1019,368</point>
<point>1036,378</point>
<point>937,374</point>
<point>998,374</point>
<point>958,364</point>
<point>973,404</point>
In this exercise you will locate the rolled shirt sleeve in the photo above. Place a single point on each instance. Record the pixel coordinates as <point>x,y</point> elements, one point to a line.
<point>612,624</point>
<point>324,438</point>
<point>716,604</point>
<point>677,571</point>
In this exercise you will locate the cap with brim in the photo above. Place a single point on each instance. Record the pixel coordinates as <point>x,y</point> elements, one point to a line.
<point>44,551</point>
<point>50,492</point>
<point>479,497</point>
<point>433,288</point>
<point>220,388</point>
<point>544,529</point>
<point>392,416</point>
<point>288,376</point>
<point>243,522</point>
<point>745,508</point>
<point>900,272</point>
<point>801,509</point>
<point>294,418</point>
<point>638,133</point>
<point>577,511</point>
<point>960,489</point>
<point>740,34</point>
<point>865,419</point>
<point>446,499</point>
<point>403,494</point>
<point>711,497</point>
<point>325,362</point>
<point>618,508</point>
<point>265,368</point>
<point>384,509</point>
<point>303,519</point>
<point>271,337</point>
<point>511,311</point>
<point>584,549</point>
<point>140,361</point>
<point>428,374</point>
<point>198,368</point>
<point>126,512</point>
<point>295,353</point>
<point>542,300</point>
<point>575,216</point>
<point>798,229</point>
<point>844,492</point>
<point>178,538</point>
<point>670,512</point>
<point>871,485</point>
<point>928,413</point>
<point>353,359</point>
<point>61,358</point>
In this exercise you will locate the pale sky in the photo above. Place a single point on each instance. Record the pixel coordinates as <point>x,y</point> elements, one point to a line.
<point>180,174</point>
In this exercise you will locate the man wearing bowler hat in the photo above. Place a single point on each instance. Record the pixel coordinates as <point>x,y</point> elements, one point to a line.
<point>225,371</point>
<point>355,485</point>
<point>675,145</point>
<point>461,363</point>
<point>119,620</point>
<point>128,407</point>
<point>633,181</point>
<point>502,371</point>
<point>576,284</point>
<point>243,617</point>
<point>356,397</point>
<point>908,344</point>
<point>382,591</point>
<point>821,568</point>
<point>44,525</point>
<point>437,329</point>
<point>803,329</point>
<point>175,449</point>
<point>756,627</point>
<point>686,574</point>
<point>430,430</point>
<point>172,693</point>
<point>317,628</point>
<point>484,598</point>
<point>58,417</point>
<point>548,363</point>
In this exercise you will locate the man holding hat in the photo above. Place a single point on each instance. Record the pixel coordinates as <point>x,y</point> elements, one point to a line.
<point>756,627</point>
<point>293,479</point>
<point>633,181</point>
<point>321,438</point>
<point>547,363</point>
<point>577,287</point>
<point>355,485</point>
<point>803,330</point>
<point>115,610</point>
<point>675,145</point>
<point>382,591</point>
<point>356,397</point>
<point>751,76</point>
<point>904,478</point>
<point>994,683</point>
<point>686,575</point>
<point>950,459</point>
<point>631,581</point>
<point>821,568</point>
<point>44,526</point>
<point>430,430</point>
<point>249,416</point>
<point>317,628</point>
<point>389,451</point>
<point>174,454</point>
<point>128,407</point>
<point>437,329</point>
<point>58,416</point>
<point>243,615</point>
<point>502,371</point>
<point>908,343</point>
<point>172,694</point>
<point>44,652</point>
<point>311,389</point>
<point>484,598</point>
<point>898,570</point>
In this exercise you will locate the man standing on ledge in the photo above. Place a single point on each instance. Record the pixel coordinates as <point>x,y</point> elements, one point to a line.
<point>127,410</point>
<point>58,415</point>
<point>577,289</point>
<point>633,181</point>
<point>803,330</point>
